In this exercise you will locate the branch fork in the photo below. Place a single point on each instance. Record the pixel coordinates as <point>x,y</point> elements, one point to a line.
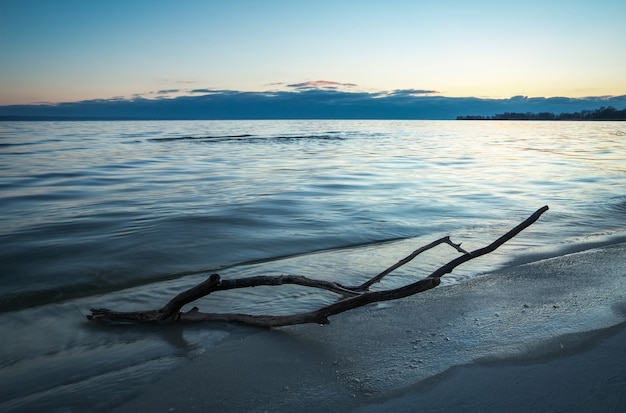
<point>350,296</point>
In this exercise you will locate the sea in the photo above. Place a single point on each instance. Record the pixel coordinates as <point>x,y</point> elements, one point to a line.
<point>126,214</point>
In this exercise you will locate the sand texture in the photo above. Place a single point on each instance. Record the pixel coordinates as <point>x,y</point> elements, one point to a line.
<point>544,336</point>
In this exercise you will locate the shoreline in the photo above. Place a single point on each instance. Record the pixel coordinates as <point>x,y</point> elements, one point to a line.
<point>589,374</point>
<point>539,319</point>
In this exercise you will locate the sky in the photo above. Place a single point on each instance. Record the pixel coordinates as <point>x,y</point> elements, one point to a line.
<point>77,50</point>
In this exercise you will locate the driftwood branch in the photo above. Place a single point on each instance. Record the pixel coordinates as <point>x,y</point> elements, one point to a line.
<point>351,296</point>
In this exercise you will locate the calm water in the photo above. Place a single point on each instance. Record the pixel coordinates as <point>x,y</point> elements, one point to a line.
<point>125,214</point>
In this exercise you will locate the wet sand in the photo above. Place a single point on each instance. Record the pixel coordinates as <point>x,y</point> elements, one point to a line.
<point>547,336</point>
<point>589,374</point>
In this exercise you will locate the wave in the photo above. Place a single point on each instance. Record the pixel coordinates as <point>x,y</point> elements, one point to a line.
<point>616,204</point>
<point>187,138</point>
<point>247,137</point>
<point>59,293</point>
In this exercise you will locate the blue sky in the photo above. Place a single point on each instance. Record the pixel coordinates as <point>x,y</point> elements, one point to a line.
<point>74,50</point>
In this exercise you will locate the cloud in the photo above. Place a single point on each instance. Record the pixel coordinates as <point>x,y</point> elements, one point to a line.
<point>412,92</point>
<point>167,91</point>
<point>320,84</point>
<point>202,91</point>
<point>306,100</point>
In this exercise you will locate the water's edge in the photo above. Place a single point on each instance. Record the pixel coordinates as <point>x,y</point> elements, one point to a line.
<point>379,353</point>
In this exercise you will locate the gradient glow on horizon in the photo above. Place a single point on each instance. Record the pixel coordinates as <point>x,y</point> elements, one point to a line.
<point>70,50</point>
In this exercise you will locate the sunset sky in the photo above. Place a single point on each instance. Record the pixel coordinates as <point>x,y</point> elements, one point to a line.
<point>72,50</point>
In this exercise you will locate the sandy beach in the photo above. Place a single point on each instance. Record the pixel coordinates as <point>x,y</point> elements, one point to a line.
<point>544,336</point>
<point>589,374</point>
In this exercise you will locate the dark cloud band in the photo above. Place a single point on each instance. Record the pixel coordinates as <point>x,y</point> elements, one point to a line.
<point>306,100</point>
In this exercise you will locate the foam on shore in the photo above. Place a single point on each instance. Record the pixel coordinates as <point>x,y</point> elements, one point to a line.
<point>499,340</point>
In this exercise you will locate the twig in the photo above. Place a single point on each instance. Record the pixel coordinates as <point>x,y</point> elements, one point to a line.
<point>445,240</point>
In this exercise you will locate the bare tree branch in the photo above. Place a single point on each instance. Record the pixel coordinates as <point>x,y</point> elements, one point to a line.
<point>491,247</point>
<point>318,316</point>
<point>366,285</point>
<point>353,297</point>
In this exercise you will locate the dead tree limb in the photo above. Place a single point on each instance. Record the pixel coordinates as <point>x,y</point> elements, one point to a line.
<point>351,296</point>
<point>366,285</point>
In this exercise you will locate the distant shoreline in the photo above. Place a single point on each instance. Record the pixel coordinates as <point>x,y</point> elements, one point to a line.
<point>539,120</point>
<point>601,114</point>
<point>605,113</point>
<point>117,119</point>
